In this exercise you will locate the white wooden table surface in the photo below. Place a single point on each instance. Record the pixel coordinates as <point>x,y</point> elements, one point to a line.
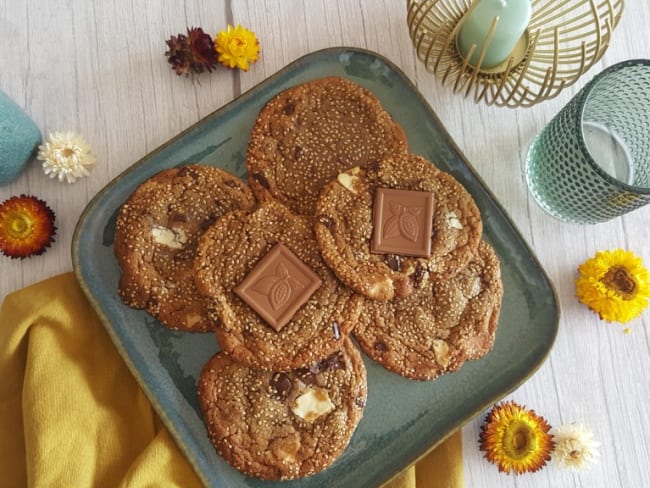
<point>98,68</point>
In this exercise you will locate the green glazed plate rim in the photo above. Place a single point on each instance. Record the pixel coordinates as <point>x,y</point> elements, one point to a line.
<point>404,419</point>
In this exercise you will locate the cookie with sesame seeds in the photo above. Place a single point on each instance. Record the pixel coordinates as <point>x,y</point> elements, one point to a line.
<point>156,234</point>
<point>283,425</point>
<point>309,133</point>
<point>276,303</point>
<point>436,329</point>
<point>388,229</point>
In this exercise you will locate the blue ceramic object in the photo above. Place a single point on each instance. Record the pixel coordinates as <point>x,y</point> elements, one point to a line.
<point>403,418</point>
<point>19,139</point>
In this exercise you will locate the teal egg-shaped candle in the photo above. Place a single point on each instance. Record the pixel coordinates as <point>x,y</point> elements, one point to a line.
<point>19,139</point>
<point>513,18</point>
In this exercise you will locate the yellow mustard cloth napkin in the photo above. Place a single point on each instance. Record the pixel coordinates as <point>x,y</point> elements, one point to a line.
<point>71,413</point>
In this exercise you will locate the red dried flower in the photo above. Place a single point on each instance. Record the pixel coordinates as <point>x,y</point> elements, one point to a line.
<point>191,53</point>
<point>26,227</point>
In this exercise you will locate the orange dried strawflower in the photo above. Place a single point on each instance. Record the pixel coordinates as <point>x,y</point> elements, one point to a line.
<point>26,227</point>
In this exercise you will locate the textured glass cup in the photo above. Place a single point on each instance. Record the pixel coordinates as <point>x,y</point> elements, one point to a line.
<point>19,139</point>
<point>591,163</point>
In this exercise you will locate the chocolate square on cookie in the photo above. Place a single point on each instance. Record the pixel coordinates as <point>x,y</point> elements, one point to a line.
<point>278,286</point>
<point>402,222</point>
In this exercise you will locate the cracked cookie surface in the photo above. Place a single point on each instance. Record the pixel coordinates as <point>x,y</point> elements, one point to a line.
<point>156,234</point>
<point>309,133</point>
<point>229,251</point>
<point>344,227</point>
<point>283,425</point>
<point>436,329</point>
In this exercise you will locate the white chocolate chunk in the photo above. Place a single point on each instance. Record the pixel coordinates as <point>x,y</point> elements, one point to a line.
<point>381,288</point>
<point>191,319</point>
<point>441,351</point>
<point>475,289</point>
<point>348,181</point>
<point>313,403</point>
<point>453,222</point>
<point>174,238</point>
<point>286,449</point>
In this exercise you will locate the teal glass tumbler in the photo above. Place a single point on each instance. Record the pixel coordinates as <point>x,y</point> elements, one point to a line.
<point>19,139</point>
<point>591,163</point>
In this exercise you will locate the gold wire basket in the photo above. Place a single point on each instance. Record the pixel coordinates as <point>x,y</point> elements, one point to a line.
<point>563,40</point>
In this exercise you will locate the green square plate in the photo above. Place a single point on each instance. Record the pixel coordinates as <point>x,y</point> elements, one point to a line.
<point>404,419</point>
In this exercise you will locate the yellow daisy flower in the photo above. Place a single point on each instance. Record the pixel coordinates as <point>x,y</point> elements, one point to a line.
<point>236,47</point>
<point>614,284</point>
<point>515,439</point>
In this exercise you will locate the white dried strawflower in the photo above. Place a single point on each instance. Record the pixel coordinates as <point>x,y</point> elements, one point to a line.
<point>66,156</point>
<point>575,447</point>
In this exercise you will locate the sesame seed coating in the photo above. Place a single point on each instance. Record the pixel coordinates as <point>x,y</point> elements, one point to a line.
<point>250,415</point>
<point>437,328</point>
<point>309,133</point>
<point>344,227</point>
<point>227,253</point>
<point>156,234</point>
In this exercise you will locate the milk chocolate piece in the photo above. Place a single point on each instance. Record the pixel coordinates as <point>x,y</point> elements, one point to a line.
<point>402,222</point>
<point>333,361</point>
<point>281,385</point>
<point>278,286</point>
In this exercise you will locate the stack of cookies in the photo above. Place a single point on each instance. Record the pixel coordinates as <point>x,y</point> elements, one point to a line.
<point>339,232</point>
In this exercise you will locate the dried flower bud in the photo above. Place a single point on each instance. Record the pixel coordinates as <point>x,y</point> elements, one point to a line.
<point>191,53</point>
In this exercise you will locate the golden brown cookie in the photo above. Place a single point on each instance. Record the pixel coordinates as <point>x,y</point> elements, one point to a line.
<point>156,235</point>
<point>430,213</point>
<point>283,425</point>
<point>436,329</point>
<point>243,287</point>
<point>309,133</point>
